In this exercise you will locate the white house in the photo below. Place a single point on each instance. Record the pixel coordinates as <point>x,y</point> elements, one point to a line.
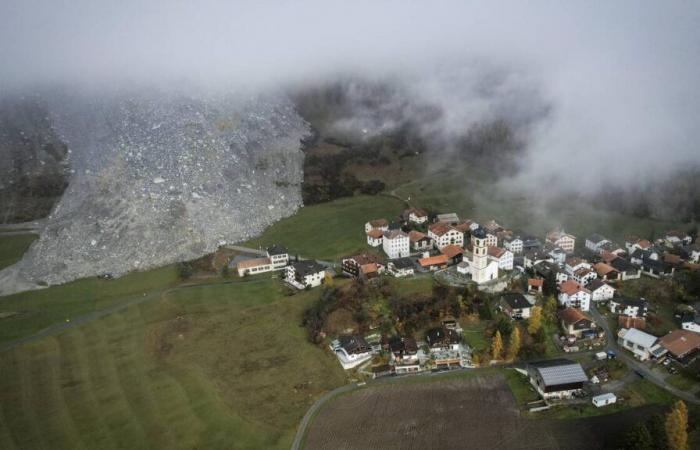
<point>351,351</point>
<point>375,237</point>
<point>416,215</point>
<point>279,256</point>
<point>634,307</point>
<point>595,242</point>
<point>676,238</point>
<point>513,244</point>
<point>401,267</point>
<point>503,256</point>
<point>600,291</point>
<point>558,255</point>
<point>419,241</point>
<point>642,345</point>
<point>566,242</point>
<point>573,294</point>
<point>303,274</point>
<point>444,234</point>
<point>515,305</point>
<point>377,224</point>
<point>396,244</point>
<point>633,243</point>
<point>491,239</point>
<point>254,266</point>
<point>694,254</point>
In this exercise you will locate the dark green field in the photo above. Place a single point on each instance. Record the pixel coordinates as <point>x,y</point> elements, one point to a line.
<point>12,247</point>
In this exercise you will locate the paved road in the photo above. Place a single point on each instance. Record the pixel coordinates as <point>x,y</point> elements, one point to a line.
<point>638,365</point>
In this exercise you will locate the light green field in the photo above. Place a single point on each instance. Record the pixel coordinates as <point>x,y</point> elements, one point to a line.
<point>329,231</point>
<point>219,366</point>
<point>12,247</point>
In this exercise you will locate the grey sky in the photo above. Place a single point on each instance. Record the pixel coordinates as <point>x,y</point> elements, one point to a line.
<point>621,77</point>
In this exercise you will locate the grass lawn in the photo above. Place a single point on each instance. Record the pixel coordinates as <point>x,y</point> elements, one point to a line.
<point>13,247</point>
<point>681,381</point>
<point>473,332</point>
<point>422,285</point>
<point>218,366</point>
<point>36,310</point>
<point>521,387</point>
<point>330,230</point>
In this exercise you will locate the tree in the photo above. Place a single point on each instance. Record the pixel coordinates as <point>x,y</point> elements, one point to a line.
<point>637,438</point>
<point>225,272</point>
<point>514,343</point>
<point>184,270</point>
<point>677,427</point>
<point>550,307</point>
<point>328,280</point>
<point>497,345</point>
<point>535,321</point>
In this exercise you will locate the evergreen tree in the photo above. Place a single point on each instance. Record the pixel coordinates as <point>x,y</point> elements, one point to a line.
<point>638,438</point>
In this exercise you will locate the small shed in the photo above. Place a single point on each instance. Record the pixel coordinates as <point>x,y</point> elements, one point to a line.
<point>604,399</point>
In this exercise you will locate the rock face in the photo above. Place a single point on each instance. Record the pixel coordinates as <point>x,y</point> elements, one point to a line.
<point>163,177</point>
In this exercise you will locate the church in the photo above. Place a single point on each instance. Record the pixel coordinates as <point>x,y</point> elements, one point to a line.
<point>478,263</point>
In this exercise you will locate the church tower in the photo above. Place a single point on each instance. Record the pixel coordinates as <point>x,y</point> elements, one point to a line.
<point>480,257</point>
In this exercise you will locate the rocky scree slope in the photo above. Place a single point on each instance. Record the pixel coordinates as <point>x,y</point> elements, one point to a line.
<point>161,177</point>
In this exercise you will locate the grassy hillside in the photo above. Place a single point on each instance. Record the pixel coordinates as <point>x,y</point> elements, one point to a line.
<point>329,230</point>
<point>12,247</point>
<point>219,366</point>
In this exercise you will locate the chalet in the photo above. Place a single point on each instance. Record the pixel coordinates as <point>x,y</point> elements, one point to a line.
<point>683,345</point>
<point>433,263</point>
<point>575,323</point>
<point>643,346</point>
<point>557,378</point>
<point>442,338</point>
<point>279,256</point>
<point>351,351</point>
<point>375,237</point>
<point>656,269</point>
<point>363,265</point>
<point>627,270</point>
<point>401,267</point>
<point>515,305</point>
<point>573,294</point>
<point>444,234</point>
<point>254,266</point>
<point>514,244</point>
<point>633,243</point>
<point>606,272</point>
<point>377,224</point>
<point>677,238</point>
<point>595,242</point>
<point>419,241</point>
<point>560,239</point>
<point>403,349</point>
<point>396,244</point>
<point>305,274</point>
<point>448,218</point>
<point>626,306</point>
<point>503,256</point>
<point>415,215</point>
<point>454,253</point>
<point>600,290</point>
<point>535,285</point>
<point>547,269</point>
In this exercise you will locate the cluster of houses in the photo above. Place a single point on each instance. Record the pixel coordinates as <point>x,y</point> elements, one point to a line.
<point>302,274</point>
<point>442,348</point>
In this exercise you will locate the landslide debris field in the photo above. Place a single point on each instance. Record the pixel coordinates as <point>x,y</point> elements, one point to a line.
<point>453,413</point>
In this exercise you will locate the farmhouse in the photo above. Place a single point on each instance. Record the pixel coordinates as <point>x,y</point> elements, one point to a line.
<point>515,305</point>
<point>642,345</point>
<point>607,272</point>
<point>627,270</point>
<point>576,323</point>
<point>600,290</point>
<point>254,266</point>
<point>442,338</point>
<point>454,253</point>
<point>434,262</point>
<point>303,274</point>
<point>444,234</point>
<point>557,378</point>
<point>683,345</point>
<point>514,244</point>
<point>351,351</point>
<point>415,215</point>
<point>375,237</point>
<point>567,242</point>
<point>363,265</point>
<point>377,224</point>
<point>401,267</point>
<point>279,256</point>
<point>396,244</point>
<point>573,294</point>
<point>502,256</point>
<point>626,306</point>
<point>595,242</point>
<point>419,241</point>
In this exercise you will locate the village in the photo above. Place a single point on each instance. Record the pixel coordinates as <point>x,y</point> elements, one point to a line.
<point>596,327</point>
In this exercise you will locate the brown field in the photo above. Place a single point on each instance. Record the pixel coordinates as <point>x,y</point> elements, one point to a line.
<point>477,412</point>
